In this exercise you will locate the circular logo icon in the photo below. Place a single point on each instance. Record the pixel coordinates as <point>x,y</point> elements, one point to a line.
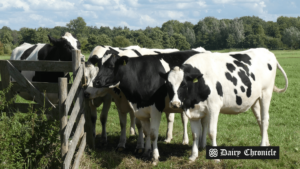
<point>213,152</point>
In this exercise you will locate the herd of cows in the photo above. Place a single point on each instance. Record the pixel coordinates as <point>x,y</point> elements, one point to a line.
<point>197,83</point>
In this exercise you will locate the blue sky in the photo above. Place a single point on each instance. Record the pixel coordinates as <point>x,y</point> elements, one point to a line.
<point>136,14</point>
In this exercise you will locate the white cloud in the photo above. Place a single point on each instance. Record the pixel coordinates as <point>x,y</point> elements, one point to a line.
<point>93,7</point>
<point>122,10</point>
<point>4,22</point>
<point>219,10</point>
<point>36,17</point>
<point>123,24</point>
<point>100,2</point>
<point>172,14</point>
<point>7,4</point>
<point>133,2</point>
<point>183,5</point>
<point>60,23</point>
<point>87,14</point>
<point>201,3</point>
<point>147,20</point>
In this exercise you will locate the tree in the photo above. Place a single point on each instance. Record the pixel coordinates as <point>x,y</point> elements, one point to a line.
<point>291,37</point>
<point>77,26</point>
<point>120,41</point>
<point>180,42</point>
<point>172,26</point>
<point>1,48</point>
<point>96,40</point>
<point>6,37</point>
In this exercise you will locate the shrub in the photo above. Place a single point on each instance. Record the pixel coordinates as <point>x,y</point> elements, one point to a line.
<point>28,140</point>
<point>1,48</point>
<point>7,49</point>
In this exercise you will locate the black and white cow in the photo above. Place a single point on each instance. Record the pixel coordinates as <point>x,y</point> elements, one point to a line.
<point>212,83</point>
<point>99,96</point>
<point>139,79</point>
<point>122,102</point>
<point>58,50</point>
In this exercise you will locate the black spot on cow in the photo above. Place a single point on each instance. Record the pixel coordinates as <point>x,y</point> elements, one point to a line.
<point>219,89</point>
<point>177,58</point>
<point>235,91</point>
<point>157,52</point>
<point>269,66</point>
<point>230,67</point>
<point>191,93</point>
<point>94,59</point>
<point>240,64</point>
<point>231,78</point>
<point>242,58</point>
<point>242,89</point>
<point>122,49</point>
<point>116,90</point>
<point>253,77</point>
<point>28,52</point>
<point>238,100</point>
<point>137,52</point>
<point>102,46</point>
<point>245,79</point>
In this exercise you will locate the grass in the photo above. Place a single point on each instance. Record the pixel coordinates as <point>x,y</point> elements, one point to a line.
<point>233,130</point>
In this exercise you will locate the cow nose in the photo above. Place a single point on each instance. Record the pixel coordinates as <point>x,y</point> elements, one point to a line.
<point>175,104</point>
<point>87,95</point>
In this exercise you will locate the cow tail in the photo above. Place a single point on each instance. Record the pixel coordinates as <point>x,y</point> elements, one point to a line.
<point>276,89</point>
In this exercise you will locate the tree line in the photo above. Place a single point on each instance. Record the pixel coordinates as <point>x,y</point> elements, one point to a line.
<point>210,33</point>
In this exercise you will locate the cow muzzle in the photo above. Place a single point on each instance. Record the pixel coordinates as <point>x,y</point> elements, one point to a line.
<point>175,104</point>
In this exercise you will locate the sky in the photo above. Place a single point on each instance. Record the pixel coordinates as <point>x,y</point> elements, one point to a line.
<point>136,14</point>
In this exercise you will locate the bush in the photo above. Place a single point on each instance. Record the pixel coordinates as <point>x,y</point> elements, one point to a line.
<point>7,49</point>
<point>1,48</point>
<point>28,140</point>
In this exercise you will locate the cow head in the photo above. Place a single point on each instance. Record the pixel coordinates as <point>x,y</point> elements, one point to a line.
<point>64,46</point>
<point>181,85</point>
<point>107,69</point>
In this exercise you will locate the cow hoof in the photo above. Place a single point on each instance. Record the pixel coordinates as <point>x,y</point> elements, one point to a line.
<point>185,142</point>
<point>192,159</point>
<point>155,162</point>
<point>132,133</point>
<point>167,140</point>
<point>120,149</point>
<point>146,154</point>
<point>138,150</point>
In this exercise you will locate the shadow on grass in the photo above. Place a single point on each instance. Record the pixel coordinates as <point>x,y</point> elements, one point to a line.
<point>108,157</point>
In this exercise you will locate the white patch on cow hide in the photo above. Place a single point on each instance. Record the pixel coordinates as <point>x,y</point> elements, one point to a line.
<point>175,78</point>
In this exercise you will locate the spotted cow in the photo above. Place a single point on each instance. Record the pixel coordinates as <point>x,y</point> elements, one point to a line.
<point>122,102</point>
<point>98,96</point>
<point>58,50</point>
<point>139,80</point>
<point>211,83</point>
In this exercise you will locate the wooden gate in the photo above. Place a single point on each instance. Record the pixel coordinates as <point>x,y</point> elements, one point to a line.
<point>80,108</point>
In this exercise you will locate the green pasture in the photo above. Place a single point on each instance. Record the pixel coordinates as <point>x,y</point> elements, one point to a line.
<point>233,130</point>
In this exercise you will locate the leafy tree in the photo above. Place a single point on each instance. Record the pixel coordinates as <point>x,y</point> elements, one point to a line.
<point>180,42</point>
<point>6,37</point>
<point>120,41</point>
<point>96,40</point>
<point>273,30</point>
<point>77,26</point>
<point>172,26</point>
<point>230,41</point>
<point>1,48</point>
<point>291,37</point>
<point>144,41</point>
<point>189,34</point>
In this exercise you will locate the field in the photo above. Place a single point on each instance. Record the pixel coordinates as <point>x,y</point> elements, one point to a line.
<point>233,130</point>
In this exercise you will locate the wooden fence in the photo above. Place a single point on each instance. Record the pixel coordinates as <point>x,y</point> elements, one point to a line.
<point>70,100</point>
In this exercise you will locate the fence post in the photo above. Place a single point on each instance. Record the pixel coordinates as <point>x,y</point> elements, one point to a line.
<point>62,90</point>
<point>5,78</point>
<point>75,61</point>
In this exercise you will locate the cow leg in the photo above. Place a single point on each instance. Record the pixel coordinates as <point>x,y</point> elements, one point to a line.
<point>132,124</point>
<point>140,140</point>
<point>170,119</point>
<point>155,122</point>
<point>184,119</point>
<point>93,117</point>
<point>103,116</point>
<point>146,129</point>
<point>202,141</point>
<point>213,122</point>
<point>265,103</point>
<point>256,111</point>
<point>123,121</point>
<point>196,133</point>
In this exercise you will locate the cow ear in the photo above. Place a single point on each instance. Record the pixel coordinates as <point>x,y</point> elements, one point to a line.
<point>52,40</point>
<point>122,61</point>
<point>164,75</point>
<point>95,60</point>
<point>193,77</point>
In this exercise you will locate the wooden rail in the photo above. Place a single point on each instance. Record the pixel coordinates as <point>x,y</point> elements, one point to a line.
<point>70,99</point>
